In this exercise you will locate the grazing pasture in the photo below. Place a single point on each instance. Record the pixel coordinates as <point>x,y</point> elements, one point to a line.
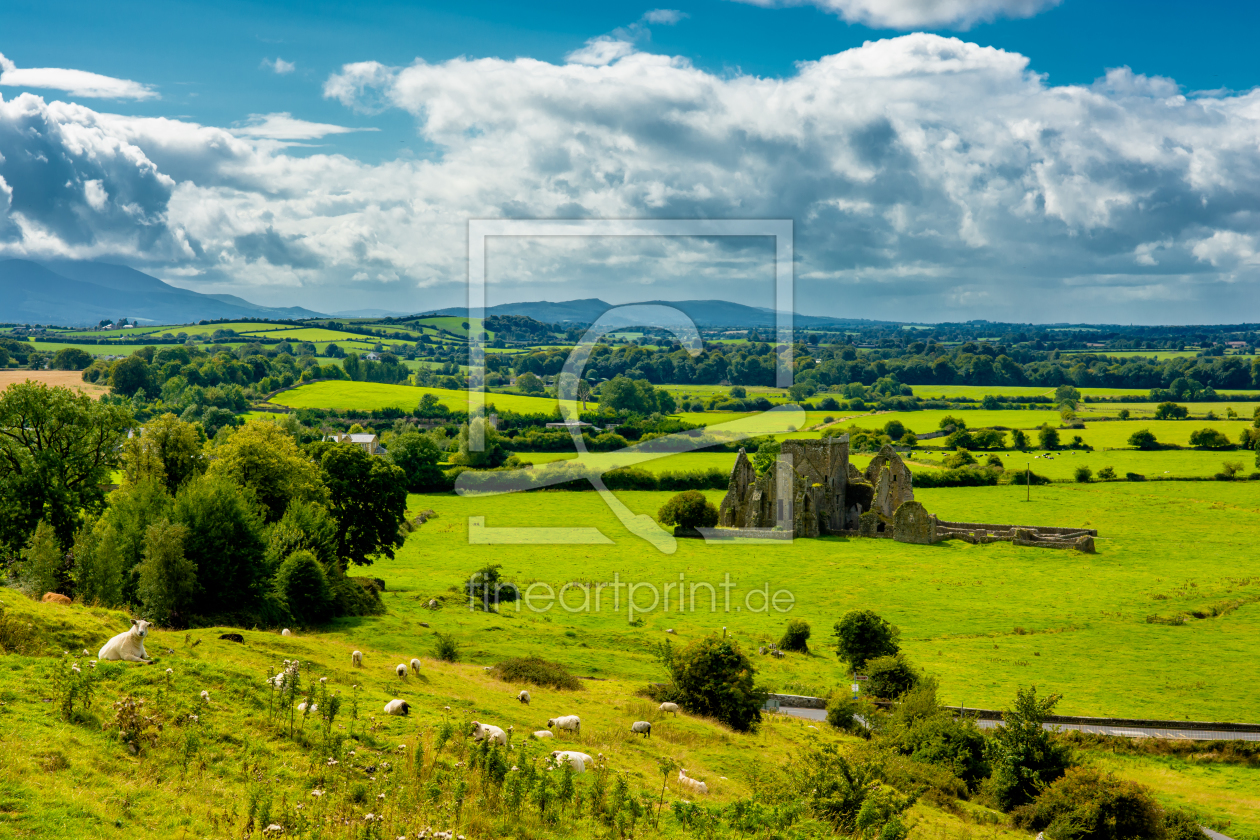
<point>367,396</point>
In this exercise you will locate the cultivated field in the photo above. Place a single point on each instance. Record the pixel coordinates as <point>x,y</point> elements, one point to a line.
<point>66,378</point>
<point>366,396</point>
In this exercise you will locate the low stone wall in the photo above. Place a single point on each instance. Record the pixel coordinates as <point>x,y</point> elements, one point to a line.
<point>742,534</point>
<point>975,526</point>
<point>799,701</point>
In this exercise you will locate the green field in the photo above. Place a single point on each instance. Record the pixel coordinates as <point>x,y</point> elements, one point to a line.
<point>367,396</point>
<point>113,349</point>
<point>958,605</point>
<point>311,334</point>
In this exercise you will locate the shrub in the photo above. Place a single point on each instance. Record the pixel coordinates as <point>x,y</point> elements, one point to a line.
<point>1022,477</point>
<point>486,587</point>
<point>1048,437</point>
<point>889,677</point>
<point>1143,439</point>
<point>862,635</point>
<point>843,713</point>
<point>960,458</point>
<point>1132,476</point>
<point>445,648</point>
<point>920,728</point>
<point>796,636</point>
<point>894,429</point>
<point>304,585</point>
<point>1087,805</point>
<point>1019,440</point>
<point>1084,474</point>
<point>689,509</point>
<point>536,671</point>
<point>1024,757</point>
<point>829,404</point>
<point>1106,474</point>
<point>1230,469</point>
<point>1210,439</point>
<point>42,564</point>
<point>1171,411</point>
<point>713,677</point>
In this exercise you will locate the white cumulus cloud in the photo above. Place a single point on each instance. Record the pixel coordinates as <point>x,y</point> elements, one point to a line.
<point>927,178</point>
<point>74,82</point>
<point>922,14</point>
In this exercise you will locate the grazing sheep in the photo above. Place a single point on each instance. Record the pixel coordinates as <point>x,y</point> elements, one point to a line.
<point>205,696</point>
<point>577,760</point>
<point>523,697</point>
<point>397,707</point>
<point>671,631</point>
<point>670,707</point>
<point>127,646</point>
<point>55,598</point>
<point>691,785</point>
<point>356,659</point>
<point>642,727</point>
<point>485,730</point>
<point>415,666</point>
<point>285,632</point>
<point>401,671</point>
<point>569,722</point>
<point>543,733</point>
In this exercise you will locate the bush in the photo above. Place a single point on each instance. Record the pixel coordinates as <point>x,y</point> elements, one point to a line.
<point>486,587</point>
<point>1025,758</point>
<point>1106,474</point>
<point>304,585</point>
<point>1022,477</point>
<point>1171,411</point>
<point>796,636</point>
<point>1132,476</point>
<point>445,648</point>
<point>1048,437</point>
<point>713,677</point>
<point>960,458</point>
<point>829,404</point>
<point>843,713</point>
<point>862,635</point>
<point>1084,475</point>
<point>920,728</point>
<point>1087,805</point>
<point>536,671</point>
<point>964,477</point>
<point>1210,439</point>
<point>889,677</point>
<point>689,509</point>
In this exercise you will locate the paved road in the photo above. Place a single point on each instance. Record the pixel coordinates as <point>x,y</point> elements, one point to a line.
<point>1121,731</point>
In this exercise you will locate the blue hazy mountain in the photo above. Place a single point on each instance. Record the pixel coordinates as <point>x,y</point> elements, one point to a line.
<point>705,313</point>
<point>80,292</point>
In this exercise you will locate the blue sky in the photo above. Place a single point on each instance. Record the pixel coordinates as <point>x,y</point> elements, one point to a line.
<point>1029,198</point>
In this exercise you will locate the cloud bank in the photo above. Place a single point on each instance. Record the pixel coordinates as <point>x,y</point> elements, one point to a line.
<point>75,82</point>
<point>928,177</point>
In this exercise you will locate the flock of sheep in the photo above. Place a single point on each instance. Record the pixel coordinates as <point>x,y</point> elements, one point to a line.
<point>129,646</point>
<point>579,761</point>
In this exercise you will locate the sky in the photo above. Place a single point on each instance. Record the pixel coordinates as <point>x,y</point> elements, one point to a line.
<point>1016,160</point>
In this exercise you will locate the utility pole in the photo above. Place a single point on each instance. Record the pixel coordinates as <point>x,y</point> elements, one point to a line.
<point>1028,481</point>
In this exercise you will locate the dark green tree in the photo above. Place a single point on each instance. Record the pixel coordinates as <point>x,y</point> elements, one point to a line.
<point>70,358</point>
<point>1025,757</point>
<point>167,583</point>
<point>713,677</point>
<point>689,509</point>
<point>890,676</point>
<point>1143,439</point>
<point>368,498</point>
<point>302,582</point>
<point>129,376</point>
<point>862,635</point>
<point>1048,437</point>
<point>224,541</point>
<point>418,457</point>
<point>58,449</point>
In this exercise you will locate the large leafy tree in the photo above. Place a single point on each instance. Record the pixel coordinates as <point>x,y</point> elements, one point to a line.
<point>265,458</point>
<point>713,677</point>
<point>368,498</point>
<point>167,450</point>
<point>225,543</point>
<point>57,451</point>
<point>862,635</point>
<point>417,456</point>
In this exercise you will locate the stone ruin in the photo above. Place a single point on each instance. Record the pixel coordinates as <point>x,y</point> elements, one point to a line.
<point>813,490</point>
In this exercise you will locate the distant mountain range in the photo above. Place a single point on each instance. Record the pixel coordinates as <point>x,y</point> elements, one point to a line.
<point>80,292</point>
<point>705,313</point>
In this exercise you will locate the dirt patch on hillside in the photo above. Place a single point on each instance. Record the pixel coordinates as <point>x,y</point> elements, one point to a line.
<point>67,378</point>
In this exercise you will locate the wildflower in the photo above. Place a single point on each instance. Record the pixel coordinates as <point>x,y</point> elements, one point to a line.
<point>85,652</point>
<point>317,791</point>
<point>323,679</point>
<point>380,796</point>
<point>273,827</point>
<point>332,762</point>
<point>169,672</point>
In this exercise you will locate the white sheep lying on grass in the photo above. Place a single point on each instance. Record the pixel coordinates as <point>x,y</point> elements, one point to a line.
<point>642,727</point>
<point>397,707</point>
<point>415,666</point>
<point>670,707</point>
<point>285,632</point>
<point>482,731</point>
<point>543,733</point>
<point>205,696</point>
<point>356,659</point>
<point>569,722</point>
<point>401,670</point>
<point>128,646</point>
<point>577,760</point>
<point>691,785</point>
<point>523,697</point>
